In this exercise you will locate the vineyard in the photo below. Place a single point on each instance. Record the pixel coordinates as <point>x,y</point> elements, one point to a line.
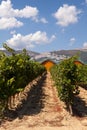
<point>41,103</point>
<point>16,71</point>
<point>68,76</point>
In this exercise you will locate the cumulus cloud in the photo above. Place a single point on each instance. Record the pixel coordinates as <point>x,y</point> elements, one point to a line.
<point>67,15</point>
<point>8,11</point>
<point>9,15</point>
<point>19,41</point>
<point>7,23</point>
<point>85,45</point>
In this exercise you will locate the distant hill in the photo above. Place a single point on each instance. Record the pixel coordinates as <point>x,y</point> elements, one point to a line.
<point>56,56</point>
<point>82,53</point>
<point>30,53</point>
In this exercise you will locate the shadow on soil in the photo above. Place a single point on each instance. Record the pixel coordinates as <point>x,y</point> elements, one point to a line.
<point>32,105</point>
<point>79,107</point>
<point>84,86</point>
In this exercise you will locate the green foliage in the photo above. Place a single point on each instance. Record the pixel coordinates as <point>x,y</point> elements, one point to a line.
<point>16,71</point>
<point>67,75</point>
<point>12,51</point>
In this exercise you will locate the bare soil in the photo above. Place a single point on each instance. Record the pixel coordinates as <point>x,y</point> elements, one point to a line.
<point>42,109</point>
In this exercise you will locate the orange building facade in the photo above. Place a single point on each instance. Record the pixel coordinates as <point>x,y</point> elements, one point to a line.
<point>78,63</point>
<point>48,64</point>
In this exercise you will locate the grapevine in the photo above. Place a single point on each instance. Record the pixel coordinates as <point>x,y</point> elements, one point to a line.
<point>16,71</point>
<point>68,76</point>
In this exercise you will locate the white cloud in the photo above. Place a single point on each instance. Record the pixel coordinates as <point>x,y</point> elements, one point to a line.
<point>43,20</point>
<point>67,15</point>
<point>13,32</point>
<point>9,15</point>
<point>72,41</point>
<point>2,48</point>
<point>27,12</point>
<point>85,45</point>
<point>7,23</point>
<point>85,1</point>
<point>19,41</point>
<point>8,11</point>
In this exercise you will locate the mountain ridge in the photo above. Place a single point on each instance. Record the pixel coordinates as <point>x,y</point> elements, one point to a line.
<point>55,55</point>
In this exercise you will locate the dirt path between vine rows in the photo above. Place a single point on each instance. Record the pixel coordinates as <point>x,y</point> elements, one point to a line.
<point>44,111</point>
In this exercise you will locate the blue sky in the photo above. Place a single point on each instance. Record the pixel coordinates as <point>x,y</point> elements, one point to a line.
<point>43,25</point>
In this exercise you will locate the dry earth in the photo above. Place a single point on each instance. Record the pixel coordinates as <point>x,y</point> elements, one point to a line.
<point>43,110</point>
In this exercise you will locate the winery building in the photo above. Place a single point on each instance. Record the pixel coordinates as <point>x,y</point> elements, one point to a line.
<point>48,64</point>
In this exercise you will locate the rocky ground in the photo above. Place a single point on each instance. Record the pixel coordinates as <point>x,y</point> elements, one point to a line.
<point>42,109</point>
